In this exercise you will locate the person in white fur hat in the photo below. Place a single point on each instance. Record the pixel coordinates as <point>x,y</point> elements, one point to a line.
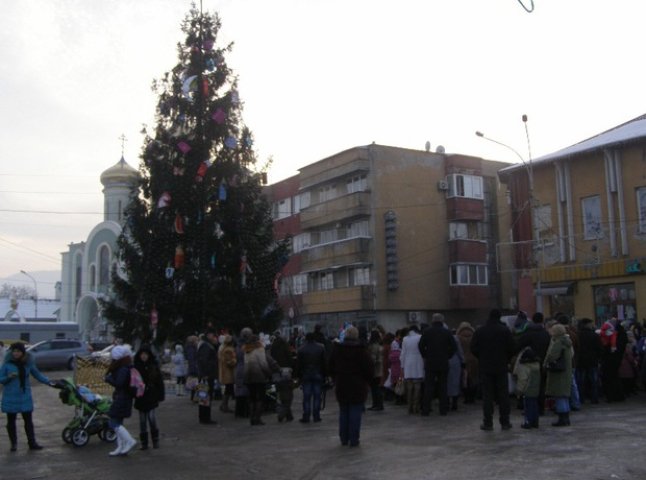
<point>119,377</point>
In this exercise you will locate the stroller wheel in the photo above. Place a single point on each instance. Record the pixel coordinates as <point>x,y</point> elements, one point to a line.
<point>107,435</point>
<point>80,437</point>
<point>67,435</point>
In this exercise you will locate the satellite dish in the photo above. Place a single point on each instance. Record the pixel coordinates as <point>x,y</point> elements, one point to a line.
<point>428,146</point>
<point>440,149</point>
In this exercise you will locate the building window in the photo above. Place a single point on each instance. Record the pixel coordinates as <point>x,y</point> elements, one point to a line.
<point>469,274</point>
<point>304,200</point>
<point>543,220</point>
<point>300,283</point>
<point>301,242</point>
<point>468,186</point>
<point>358,183</point>
<point>358,229</point>
<point>327,236</point>
<point>325,281</point>
<point>296,202</point>
<point>282,209</point>
<point>328,192</point>
<point>641,208</point>
<point>591,207</point>
<point>92,277</point>
<point>360,276</point>
<point>104,266</point>
<point>458,230</point>
<point>615,300</point>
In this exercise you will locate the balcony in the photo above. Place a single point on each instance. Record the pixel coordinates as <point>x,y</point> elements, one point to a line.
<point>342,252</point>
<point>467,251</point>
<point>339,300</point>
<point>462,208</point>
<point>341,208</point>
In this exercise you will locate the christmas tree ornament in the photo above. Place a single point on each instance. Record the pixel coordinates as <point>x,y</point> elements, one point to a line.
<point>231,142</point>
<point>205,87</point>
<point>184,147</point>
<point>248,141</point>
<point>179,224</point>
<point>244,269</point>
<point>210,64</point>
<point>222,191</point>
<point>179,257</point>
<point>213,262</point>
<point>178,171</point>
<point>235,98</point>
<point>217,231</point>
<point>207,44</point>
<point>189,85</point>
<point>164,200</point>
<point>154,317</point>
<point>219,116</point>
<point>170,271</point>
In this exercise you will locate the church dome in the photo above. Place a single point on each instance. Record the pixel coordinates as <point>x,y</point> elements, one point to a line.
<point>120,172</point>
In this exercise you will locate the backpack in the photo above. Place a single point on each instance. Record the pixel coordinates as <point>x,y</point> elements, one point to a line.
<point>137,385</point>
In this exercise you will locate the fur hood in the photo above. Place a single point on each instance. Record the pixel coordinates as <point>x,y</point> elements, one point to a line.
<point>250,347</point>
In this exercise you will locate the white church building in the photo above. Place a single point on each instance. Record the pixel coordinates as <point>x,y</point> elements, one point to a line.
<point>87,266</point>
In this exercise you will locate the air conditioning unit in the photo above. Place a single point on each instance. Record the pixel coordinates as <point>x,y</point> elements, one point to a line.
<point>443,185</point>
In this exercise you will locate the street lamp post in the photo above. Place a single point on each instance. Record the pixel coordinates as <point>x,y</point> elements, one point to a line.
<point>36,289</point>
<point>532,199</point>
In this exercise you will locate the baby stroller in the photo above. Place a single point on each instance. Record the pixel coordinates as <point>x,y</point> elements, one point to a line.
<point>90,415</point>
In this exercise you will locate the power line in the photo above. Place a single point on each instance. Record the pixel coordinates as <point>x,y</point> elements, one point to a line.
<point>44,255</point>
<point>49,212</point>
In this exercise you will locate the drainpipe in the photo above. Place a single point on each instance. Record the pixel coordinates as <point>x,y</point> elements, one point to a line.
<point>560,198</point>
<point>570,215</point>
<point>611,187</point>
<point>620,203</point>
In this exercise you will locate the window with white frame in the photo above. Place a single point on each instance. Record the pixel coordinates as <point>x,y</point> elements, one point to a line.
<point>591,207</point>
<point>282,209</point>
<point>304,200</point>
<point>300,283</point>
<point>461,185</point>
<point>327,236</point>
<point>469,274</point>
<point>641,208</point>
<point>301,241</point>
<point>360,276</point>
<point>296,204</point>
<point>327,192</point>
<point>325,281</point>
<point>458,230</point>
<point>357,183</point>
<point>543,219</point>
<point>358,229</point>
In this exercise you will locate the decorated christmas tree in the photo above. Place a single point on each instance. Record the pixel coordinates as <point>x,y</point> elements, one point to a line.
<point>197,248</point>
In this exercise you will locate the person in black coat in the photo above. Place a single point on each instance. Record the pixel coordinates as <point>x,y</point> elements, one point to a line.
<point>119,377</point>
<point>351,368</point>
<point>587,361</point>
<point>207,371</point>
<point>493,346</point>
<point>437,346</point>
<point>282,354</point>
<point>148,366</point>
<point>311,365</point>
<point>538,339</point>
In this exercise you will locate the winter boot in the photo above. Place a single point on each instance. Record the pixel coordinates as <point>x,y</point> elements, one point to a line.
<point>154,434</point>
<point>117,451</point>
<point>127,441</point>
<point>224,406</point>
<point>143,440</point>
<point>13,436</point>
<point>454,403</point>
<point>31,437</point>
<point>563,421</point>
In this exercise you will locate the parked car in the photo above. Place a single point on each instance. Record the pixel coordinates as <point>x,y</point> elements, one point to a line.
<point>57,353</point>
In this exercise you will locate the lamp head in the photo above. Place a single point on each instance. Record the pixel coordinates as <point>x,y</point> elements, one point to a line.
<point>480,134</point>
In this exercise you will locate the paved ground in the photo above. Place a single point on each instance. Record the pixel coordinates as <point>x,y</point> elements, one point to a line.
<point>605,441</point>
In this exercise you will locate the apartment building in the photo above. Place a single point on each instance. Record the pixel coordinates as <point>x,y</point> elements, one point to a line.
<point>391,235</point>
<point>578,222</point>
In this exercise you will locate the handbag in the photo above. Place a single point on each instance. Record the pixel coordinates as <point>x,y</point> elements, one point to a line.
<point>557,365</point>
<point>399,387</point>
<point>202,394</point>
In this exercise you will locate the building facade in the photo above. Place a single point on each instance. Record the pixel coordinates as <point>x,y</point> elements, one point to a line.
<point>578,224</point>
<point>390,235</point>
<point>87,266</point>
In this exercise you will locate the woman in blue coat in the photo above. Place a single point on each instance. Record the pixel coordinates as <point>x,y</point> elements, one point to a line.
<point>119,377</point>
<point>16,395</point>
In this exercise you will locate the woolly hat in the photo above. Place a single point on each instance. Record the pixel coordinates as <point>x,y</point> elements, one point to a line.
<point>17,346</point>
<point>120,351</point>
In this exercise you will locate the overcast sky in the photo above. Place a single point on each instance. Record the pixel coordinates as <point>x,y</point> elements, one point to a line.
<point>316,77</point>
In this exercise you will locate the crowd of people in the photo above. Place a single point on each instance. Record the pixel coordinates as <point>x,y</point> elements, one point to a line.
<point>552,365</point>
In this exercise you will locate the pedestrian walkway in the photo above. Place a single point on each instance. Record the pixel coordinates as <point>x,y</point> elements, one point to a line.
<point>604,442</point>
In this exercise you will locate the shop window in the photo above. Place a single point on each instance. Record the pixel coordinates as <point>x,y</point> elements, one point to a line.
<point>615,300</point>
